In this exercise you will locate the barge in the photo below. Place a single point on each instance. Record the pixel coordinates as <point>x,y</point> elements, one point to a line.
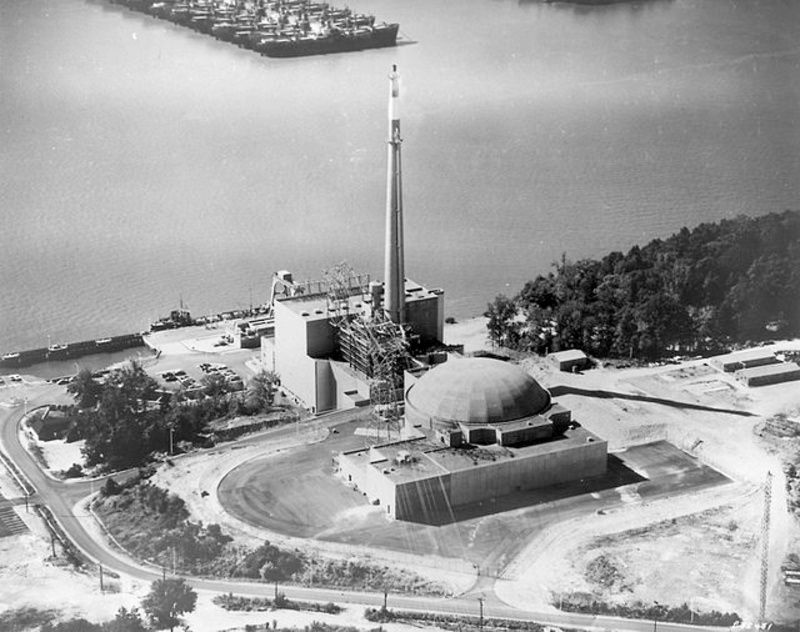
<point>70,351</point>
<point>275,28</point>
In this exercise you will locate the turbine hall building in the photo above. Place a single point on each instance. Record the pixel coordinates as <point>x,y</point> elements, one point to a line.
<point>308,347</point>
<point>477,428</point>
<point>326,366</point>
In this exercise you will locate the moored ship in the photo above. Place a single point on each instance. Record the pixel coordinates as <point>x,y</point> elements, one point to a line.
<point>334,40</point>
<point>57,351</point>
<point>276,28</point>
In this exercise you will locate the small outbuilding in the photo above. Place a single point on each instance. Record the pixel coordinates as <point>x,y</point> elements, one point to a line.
<point>569,360</point>
<point>744,360</point>
<point>769,374</point>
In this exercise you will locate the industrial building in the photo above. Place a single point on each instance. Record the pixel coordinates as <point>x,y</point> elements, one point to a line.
<point>744,360</point>
<point>323,354</point>
<point>769,374</point>
<point>569,360</point>
<point>475,429</point>
<point>336,338</point>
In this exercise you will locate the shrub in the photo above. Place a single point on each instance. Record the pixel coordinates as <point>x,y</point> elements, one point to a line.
<point>74,471</point>
<point>111,488</point>
<point>25,618</point>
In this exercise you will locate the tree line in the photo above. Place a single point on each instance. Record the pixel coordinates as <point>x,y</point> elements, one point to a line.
<point>700,290</point>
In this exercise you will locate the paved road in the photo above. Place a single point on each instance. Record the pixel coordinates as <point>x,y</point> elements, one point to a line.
<point>62,497</point>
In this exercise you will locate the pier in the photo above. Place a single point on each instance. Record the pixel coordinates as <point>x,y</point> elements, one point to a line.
<point>71,350</point>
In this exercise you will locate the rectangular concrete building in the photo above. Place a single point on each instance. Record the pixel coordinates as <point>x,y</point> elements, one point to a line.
<point>306,347</point>
<point>569,359</point>
<point>419,478</point>
<point>744,360</point>
<point>770,374</point>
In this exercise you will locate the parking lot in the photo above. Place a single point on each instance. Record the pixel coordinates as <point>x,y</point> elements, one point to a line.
<point>200,373</point>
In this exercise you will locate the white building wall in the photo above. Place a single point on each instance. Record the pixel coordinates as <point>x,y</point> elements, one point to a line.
<point>296,370</point>
<point>426,316</point>
<point>529,472</point>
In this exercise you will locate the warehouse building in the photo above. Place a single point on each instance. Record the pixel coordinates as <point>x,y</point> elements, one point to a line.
<point>744,360</point>
<point>770,374</point>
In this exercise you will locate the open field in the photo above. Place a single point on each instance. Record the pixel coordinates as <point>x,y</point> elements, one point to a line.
<point>644,559</point>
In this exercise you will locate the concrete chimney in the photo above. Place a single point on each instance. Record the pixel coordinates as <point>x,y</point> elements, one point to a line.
<point>394,268</point>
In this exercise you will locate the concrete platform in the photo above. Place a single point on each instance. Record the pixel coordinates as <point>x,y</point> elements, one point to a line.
<point>298,494</point>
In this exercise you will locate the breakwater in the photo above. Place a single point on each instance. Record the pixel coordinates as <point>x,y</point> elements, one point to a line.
<point>71,350</point>
<point>275,28</point>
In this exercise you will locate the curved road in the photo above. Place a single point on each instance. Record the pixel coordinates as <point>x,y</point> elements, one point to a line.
<point>61,498</point>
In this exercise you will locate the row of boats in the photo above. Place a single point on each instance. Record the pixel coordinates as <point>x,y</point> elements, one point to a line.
<point>275,28</point>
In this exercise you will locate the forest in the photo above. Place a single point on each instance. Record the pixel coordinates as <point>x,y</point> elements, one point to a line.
<point>699,291</point>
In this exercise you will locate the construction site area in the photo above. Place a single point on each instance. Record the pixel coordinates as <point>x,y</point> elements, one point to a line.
<point>682,496</point>
<point>416,444</point>
<point>550,488</point>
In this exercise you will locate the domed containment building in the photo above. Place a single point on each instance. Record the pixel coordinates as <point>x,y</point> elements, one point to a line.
<point>479,428</point>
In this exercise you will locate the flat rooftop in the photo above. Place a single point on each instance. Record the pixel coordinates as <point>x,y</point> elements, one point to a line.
<point>784,368</point>
<point>747,355</point>
<point>315,306</point>
<point>417,459</point>
<point>569,354</point>
<point>455,459</point>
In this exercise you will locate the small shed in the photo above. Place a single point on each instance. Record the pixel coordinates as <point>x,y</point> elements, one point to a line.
<point>569,360</point>
<point>770,374</point>
<point>745,360</point>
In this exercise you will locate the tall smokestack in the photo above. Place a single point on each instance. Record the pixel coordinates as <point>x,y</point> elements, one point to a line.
<point>394,272</point>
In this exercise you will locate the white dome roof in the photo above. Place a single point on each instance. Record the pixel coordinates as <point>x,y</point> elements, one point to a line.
<point>477,391</point>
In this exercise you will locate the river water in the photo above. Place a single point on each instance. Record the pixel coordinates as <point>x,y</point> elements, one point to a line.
<point>143,163</point>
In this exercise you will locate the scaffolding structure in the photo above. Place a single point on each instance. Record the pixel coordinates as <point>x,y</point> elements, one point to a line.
<point>341,284</point>
<point>387,359</point>
<point>371,344</point>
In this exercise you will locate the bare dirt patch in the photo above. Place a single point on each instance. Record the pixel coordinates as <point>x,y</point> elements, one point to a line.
<point>32,578</point>
<point>711,552</point>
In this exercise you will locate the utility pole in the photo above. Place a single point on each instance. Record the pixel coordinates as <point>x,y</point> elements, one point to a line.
<point>171,450</point>
<point>102,588</point>
<point>480,620</point>
<point>762,603</point>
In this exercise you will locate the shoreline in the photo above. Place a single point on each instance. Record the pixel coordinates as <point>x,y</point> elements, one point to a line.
<point>471,332</point>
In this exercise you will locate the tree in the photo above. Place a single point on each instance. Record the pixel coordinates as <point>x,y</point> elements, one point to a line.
<point>503,326</point>
<point>85,390</point>
<point>261,390</point>
<point>122,429</point>
<point>126,621</point>
<point>167,600</point>
<point>215,386</point>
